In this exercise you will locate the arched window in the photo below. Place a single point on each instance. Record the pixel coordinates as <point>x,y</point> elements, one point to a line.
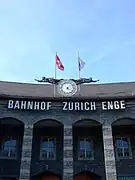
<point>9,147</point>
<point>123,148</point>
<point>85,148</point>
<point>47,148</point>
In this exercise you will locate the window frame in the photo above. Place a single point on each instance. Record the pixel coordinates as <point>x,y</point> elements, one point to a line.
<point>2,145</point>
<point>128,176</point>
<point>130,148</point>
<point>41,140</point>
<point>91,140</point>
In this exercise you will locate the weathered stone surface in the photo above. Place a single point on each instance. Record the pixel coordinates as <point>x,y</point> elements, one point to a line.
<point>28,130</point>
<point>68,154</point>
<point>68,142</point>
<point>24,175</point>
<point>108,143</point>
<point>68,131</point>
<point>107,130</point>
<point>26,154</point>
<point>109,153</point>
<point>68,164</point>
<point>111,176</point>
<point>110,166</point>
<point>25,164</point>
<point>68,176</point>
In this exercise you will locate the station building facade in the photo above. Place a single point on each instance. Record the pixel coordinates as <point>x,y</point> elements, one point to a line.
<point>89,136</point>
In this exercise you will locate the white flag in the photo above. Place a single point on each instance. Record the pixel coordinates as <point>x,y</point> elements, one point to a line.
<point>81,64</point>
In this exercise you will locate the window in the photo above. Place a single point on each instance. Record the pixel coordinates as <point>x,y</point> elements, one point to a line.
<point>123,149</point>
<point>9,147</point>
<point>85,148</point>
<point>126,178</point>
<point>47,151</point>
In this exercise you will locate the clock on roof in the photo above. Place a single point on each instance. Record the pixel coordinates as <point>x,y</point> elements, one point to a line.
<point>67,88</point>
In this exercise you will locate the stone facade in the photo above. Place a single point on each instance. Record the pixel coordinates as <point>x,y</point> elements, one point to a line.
<point>110,167</point>
<point>68,119</point>
<point>68,153</point>
<point>26,152</point>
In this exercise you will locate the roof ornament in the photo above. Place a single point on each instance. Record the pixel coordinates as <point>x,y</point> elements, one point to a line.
<point>67,87</point>
<point>56,81</point>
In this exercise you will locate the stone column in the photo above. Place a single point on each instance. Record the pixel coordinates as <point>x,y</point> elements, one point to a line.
<point>26,153</point>
<point>68,153</point>
<point>109,156</point>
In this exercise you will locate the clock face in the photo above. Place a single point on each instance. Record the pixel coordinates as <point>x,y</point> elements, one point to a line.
<point>67,88</point>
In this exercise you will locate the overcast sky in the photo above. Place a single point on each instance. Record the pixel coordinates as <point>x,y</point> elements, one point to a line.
<point>31,32</point>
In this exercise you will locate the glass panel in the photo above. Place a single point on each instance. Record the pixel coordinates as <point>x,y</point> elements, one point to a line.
<point>122,147</point>
<point>51,143</point>
<point>5,151</point>
<point>82,153</point>
<point>50,149</point>
<point>119,142</point>
<point>82,144</point>
<point>89,154</point>
<point>85,148</point>
<point>10,143</point>
<point>44,155</point>
<point>12,152</point>
<point>125,142</point>
<point>126,152</point>
<point>88,145</point>
<point>120,152</point>
<point>51,155</point>
<point>126,178</point>
<point>45,145</point>
<point>9,147</point>
<point>47,148</point>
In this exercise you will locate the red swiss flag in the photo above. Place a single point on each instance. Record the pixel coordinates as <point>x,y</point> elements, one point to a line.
<point>59,63</point>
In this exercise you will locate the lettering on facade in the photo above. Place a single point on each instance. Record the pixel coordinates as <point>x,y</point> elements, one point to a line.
<point>66,105</point>
<point>29,105</point>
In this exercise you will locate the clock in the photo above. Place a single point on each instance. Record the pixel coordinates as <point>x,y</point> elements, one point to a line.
<point>67,88</point>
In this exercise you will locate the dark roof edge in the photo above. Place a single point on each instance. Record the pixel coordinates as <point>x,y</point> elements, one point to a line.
<point>64,98</point>
<point>25,83</point>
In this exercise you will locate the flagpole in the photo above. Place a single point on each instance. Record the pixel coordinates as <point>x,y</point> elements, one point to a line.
<point>55,76</point>
<point>79,86</point>
<point>55,66</point>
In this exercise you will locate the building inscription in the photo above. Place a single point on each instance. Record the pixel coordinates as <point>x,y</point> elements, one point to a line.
<point>66,105</point>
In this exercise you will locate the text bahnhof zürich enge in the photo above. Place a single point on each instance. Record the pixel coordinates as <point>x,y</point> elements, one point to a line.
<point>66,105</point>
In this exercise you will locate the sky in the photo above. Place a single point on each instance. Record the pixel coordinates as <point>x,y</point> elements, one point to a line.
<point>31,32</point>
